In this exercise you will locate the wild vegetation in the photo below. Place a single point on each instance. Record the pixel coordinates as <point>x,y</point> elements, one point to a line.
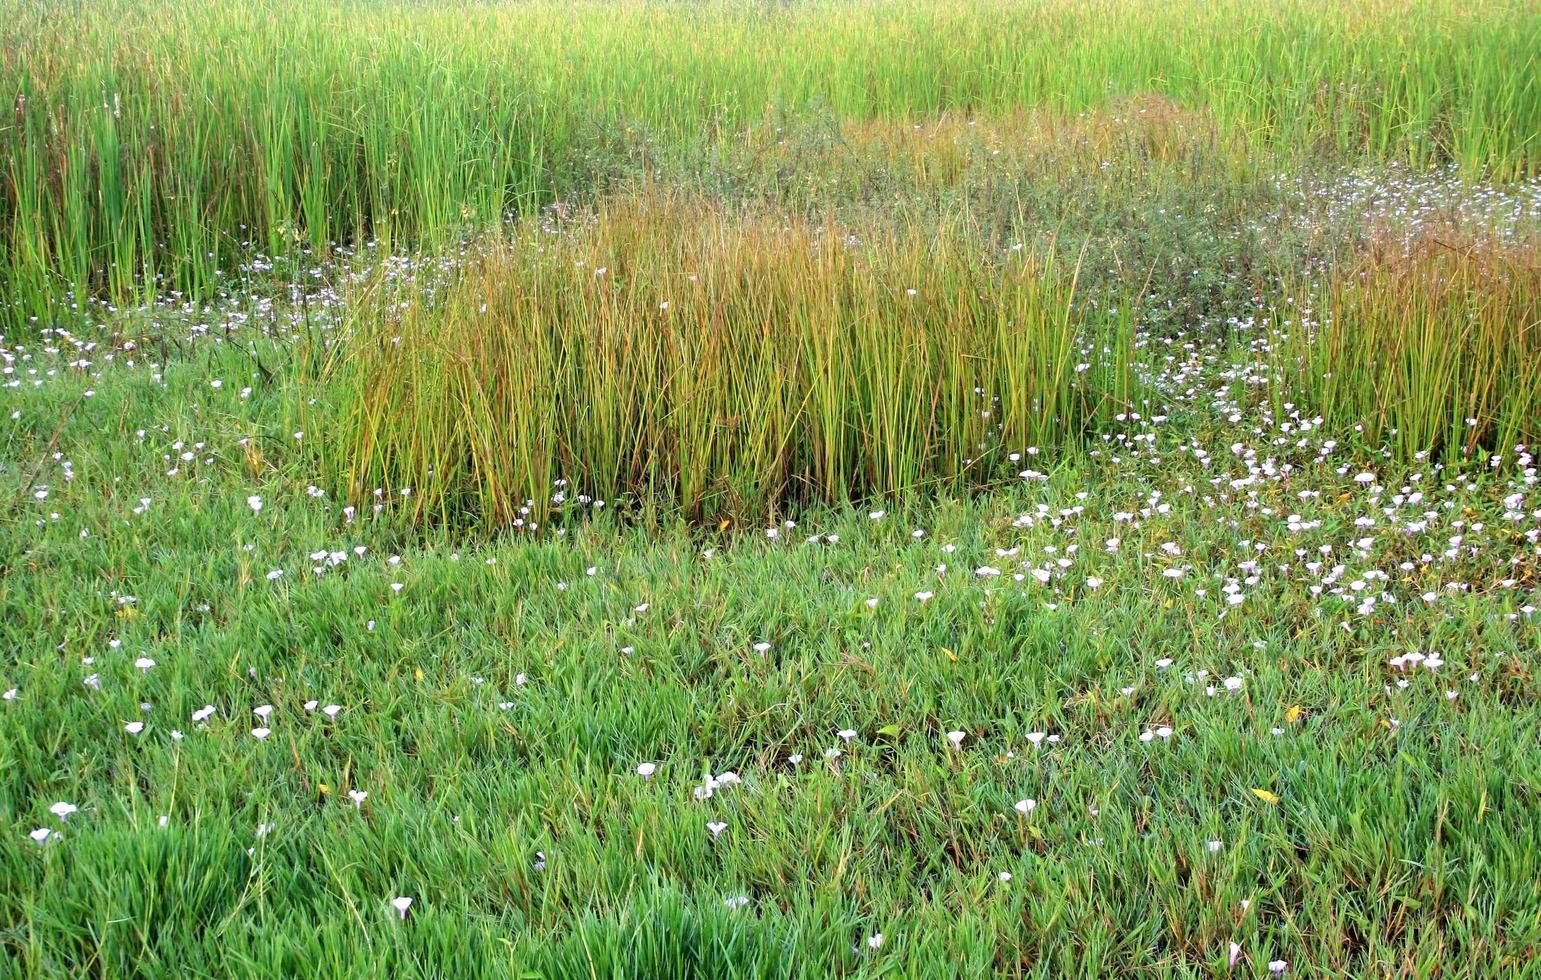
<point>770,489</point>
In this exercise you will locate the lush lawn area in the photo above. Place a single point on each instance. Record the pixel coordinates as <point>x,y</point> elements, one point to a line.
<point>966,488</point>
<point>1249,593</point>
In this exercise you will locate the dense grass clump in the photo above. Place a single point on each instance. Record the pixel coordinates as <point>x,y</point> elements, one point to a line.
<point>150,144</point>
<point>1432,348</point>
<point>724,361</point>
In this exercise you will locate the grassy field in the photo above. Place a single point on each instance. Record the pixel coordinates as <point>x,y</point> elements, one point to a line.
<point>782,489</point>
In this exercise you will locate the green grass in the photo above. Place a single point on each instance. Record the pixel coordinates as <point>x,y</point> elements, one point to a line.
<point>1246,608</point>
<point>1407,848</point>
<point>153,144</point>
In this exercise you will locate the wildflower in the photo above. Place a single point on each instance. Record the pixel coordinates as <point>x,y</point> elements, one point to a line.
<point>716,827</point>
<point>646,770</point>
<point>261,733</point>
<point>144,664</point>
<point>875,941</point>
<point>956,738</point>
<point>358,797</point>
<point>1025,807</point>
<point>133,727</point>
<point>401,905</point>
<point>62,810</point>
<point>255,503</point>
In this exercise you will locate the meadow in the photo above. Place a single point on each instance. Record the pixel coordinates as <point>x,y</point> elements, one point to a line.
<point>782,489</point>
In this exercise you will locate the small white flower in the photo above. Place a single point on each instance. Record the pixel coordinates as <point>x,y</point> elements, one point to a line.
<point>847,734</point>
<point>144,664</point>
<point>261,733</point>
<point>63,810</point>
<point>875,941</point>
<point>358,797</point>
<point>401,905</point>
<point>716,827</point>
<point>1025,807</point>
<point>956,738</point>
<point>255,503</point>
<point>133,727</point>
<point>646,770</point>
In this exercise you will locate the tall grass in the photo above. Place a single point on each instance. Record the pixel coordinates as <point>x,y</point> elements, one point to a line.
<point>1434,348</point>
<point>149,143</point>
<point>727,362</point>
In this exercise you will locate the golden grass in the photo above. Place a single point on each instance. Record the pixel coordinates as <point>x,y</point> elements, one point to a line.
<point>1431,348</point>
<point>729,362</point>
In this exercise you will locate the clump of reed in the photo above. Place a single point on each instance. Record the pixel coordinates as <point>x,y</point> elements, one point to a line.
<point>727,362</point>
<point>1432,347</point>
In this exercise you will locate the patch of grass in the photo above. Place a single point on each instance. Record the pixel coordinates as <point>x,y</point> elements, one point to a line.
<point>1433,347</point>
<point>726,362</point>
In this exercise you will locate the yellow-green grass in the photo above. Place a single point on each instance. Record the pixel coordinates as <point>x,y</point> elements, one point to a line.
<point>728,362</point>
<point>1428,348</point>
<point>149,144</point>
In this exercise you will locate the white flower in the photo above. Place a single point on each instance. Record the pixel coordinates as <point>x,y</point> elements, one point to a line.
<point>956,738</point>
<point>261,733</point>
<point>144,664</point>
<point>1025,807</point>
<point>716,827</point>
<point>646,770</point>
<point>875,941</point>
<point>255,503</point>
<point>331,710</point>
<point>358,797</point>
<point>736,902</point>
<point>133,727</point>
<point>401,905</point>
<point>42,834</point>
<point>847,734</point>
<point>1277,967</point>
<point>62,810</point>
